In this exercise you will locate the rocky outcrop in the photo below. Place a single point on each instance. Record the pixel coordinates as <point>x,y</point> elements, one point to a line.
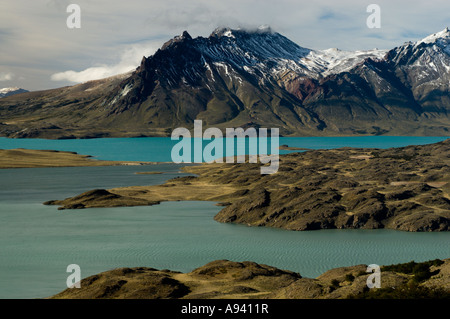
<point>99,198</point>
<point>402,188</point>
<point>398,188</point>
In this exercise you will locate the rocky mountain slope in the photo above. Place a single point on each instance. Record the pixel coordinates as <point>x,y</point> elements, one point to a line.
<point>238,78</point>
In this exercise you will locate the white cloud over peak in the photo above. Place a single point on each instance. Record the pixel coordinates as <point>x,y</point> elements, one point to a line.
<point>129,60</point>
<point>6,76</point>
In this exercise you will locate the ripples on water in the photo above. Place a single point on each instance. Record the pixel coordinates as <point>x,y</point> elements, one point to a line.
<point>38,242</point>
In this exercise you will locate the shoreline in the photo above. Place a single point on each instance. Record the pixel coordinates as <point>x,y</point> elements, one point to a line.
<point>224,184</point>
<point>27,158</point>
<point>398,188</point>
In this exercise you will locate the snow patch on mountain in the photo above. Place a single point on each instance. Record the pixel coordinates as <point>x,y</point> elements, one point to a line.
<point>334,61</point>
<point>444,34</point>
<point>11,91</point>
<point>271,53</point>
<point>440,39</point>
<point>126,90</point>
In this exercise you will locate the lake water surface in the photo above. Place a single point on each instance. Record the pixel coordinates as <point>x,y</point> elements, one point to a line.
<point>158,149</point>
<point>38,242</point>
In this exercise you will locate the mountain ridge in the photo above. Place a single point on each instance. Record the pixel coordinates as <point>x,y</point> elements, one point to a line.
<point>239,78</point>
<point>11,91</point>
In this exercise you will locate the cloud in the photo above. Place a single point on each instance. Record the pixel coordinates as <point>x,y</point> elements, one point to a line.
<point>89,74</point>
<point>6,76</point>
<point>129,60</point>
<point>36,43</point>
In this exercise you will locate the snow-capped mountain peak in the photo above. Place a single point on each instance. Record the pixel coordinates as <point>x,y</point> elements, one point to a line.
<point>222,32</point>
<point>264,47</point>
<point>442,35</point>
<point>11,91</point>
<point>7,90</point>
<point>333,60</point>
<point>440,40</point>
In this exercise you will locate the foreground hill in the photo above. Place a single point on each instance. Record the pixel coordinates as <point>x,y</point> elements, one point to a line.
<point>227,279</point>
<point>237,78</point>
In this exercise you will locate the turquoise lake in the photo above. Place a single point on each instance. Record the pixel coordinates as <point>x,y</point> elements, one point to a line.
<point>158,149</point>
<point>38,242</point>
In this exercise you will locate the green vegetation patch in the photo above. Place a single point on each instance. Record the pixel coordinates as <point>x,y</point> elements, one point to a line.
<point>420,271</point>
<point>408,291</point>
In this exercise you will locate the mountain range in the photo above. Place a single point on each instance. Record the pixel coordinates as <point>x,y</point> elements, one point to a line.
<point>11,91</point>
<point>251,78</point>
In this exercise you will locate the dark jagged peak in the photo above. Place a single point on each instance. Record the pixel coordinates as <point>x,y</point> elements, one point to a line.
<point>179,38</point>
<point>186,35</point>
<point>238,47</point>
<point>259,48</point>
<point>142,61</point>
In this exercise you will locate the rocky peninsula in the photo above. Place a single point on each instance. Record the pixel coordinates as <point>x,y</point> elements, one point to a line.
<point>405,188</point>
<point>26,158</point>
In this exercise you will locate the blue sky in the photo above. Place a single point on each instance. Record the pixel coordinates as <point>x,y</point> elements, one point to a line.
<point>38,51</point>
